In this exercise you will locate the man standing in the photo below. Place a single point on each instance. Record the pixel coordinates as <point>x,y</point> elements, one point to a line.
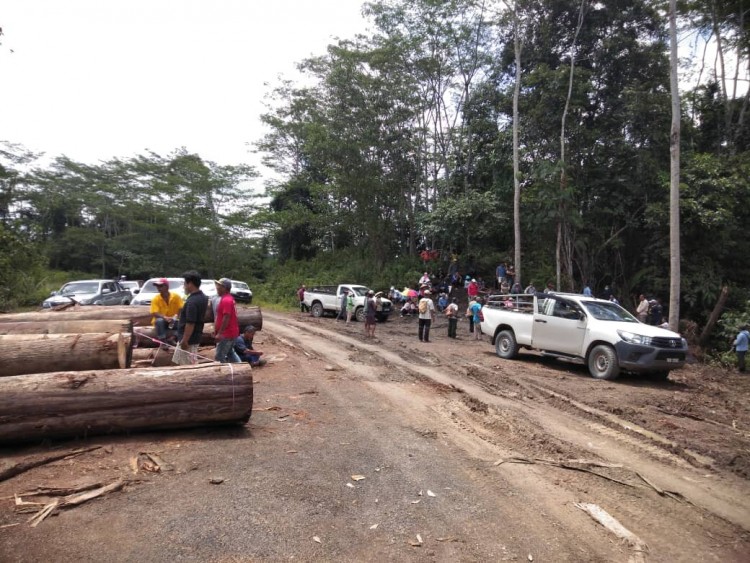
<point>500,275</point>
<point>587,291</point>
<point>190,324</point>
<point>475,308</point>
<point>301,296</point>
<point>426,315</point>
<point>451,311</point>
<point>164,310</point>
<point>741,346</point>
<point>642,310</point>
<point>472,289</point>
<point>226,327</point>
<point>342,305</point>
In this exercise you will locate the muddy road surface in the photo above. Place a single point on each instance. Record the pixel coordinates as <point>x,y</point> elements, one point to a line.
<point>391,449</point>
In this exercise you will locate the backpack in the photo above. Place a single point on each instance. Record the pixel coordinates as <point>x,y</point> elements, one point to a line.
<point>423,307</point>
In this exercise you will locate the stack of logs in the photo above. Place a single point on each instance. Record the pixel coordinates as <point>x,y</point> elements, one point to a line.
<point>65,373</point>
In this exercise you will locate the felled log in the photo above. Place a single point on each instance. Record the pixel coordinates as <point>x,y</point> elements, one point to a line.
<point>28,353</point>
<point>63,326</point>
<point>139,315</point>
<point>74,403</point>
<point>145,334</point>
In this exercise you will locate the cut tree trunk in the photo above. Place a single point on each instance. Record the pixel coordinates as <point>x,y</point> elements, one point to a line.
<point>140,315</point>
<point>66,327</point>
<point>62,404</point>
<point>145,334</point>
<point>29,353</point>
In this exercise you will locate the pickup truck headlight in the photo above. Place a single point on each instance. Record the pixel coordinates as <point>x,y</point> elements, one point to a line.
<point>633,338</point>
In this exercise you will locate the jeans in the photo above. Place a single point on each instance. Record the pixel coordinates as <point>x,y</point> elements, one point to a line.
<point>452,324</point>
<point>225,352</point>
<point>424,329</point>
<point>162,329</point>
<point>741,360</point>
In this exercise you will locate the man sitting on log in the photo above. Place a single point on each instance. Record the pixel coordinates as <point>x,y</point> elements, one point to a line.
<point>244,347</point>
<point>190,325</point>
<point>165,308</point>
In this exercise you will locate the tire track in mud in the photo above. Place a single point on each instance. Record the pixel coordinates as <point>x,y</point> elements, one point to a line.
<point>530,417</point>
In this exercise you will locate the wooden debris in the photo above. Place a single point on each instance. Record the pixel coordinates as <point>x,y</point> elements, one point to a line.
<point>610,523</point>
<point>23,466</point>
<point>573,465</point>
<point>74,500</point>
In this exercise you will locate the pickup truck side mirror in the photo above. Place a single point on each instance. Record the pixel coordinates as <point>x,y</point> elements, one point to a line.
<point>581,316</point>
<point>53,293</point>
<point>136,291</point>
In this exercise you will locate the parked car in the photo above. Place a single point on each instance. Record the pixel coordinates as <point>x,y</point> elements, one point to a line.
<point>89,292</point>
<point>241,292</point>
<point>598,332</point>
<point>149,291</point>
<point>131,285</point>
<point>327,299</point>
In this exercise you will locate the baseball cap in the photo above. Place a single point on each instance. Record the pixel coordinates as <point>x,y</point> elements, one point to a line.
<point>226,282</point>
<point>162,281</point>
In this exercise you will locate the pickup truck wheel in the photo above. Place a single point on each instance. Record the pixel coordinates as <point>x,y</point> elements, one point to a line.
<point>359,314</point>
<point>316,310</point>
<point>603,362</point>
<point>505,345</point>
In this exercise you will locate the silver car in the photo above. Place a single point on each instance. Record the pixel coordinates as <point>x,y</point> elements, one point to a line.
<point>89,292</point>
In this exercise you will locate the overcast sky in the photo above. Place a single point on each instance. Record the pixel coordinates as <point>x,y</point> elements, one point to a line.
<point>94,79</point>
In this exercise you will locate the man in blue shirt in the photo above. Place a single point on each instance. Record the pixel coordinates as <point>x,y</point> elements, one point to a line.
<point>740,347</point>
<point>500,275</point>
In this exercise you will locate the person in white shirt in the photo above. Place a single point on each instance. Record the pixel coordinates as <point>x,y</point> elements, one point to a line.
<point>426,315</point>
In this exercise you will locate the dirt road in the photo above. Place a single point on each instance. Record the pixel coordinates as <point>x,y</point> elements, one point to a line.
<point>397,450</point>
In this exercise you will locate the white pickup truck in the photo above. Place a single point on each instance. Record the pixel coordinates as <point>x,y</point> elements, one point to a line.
<point>599,332</point>
<point>327,299</point>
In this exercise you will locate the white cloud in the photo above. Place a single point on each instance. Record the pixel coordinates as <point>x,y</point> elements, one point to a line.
<point>95,79</point>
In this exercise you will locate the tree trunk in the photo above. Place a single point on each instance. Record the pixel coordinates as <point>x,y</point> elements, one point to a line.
<point>65,327</point>
<point>28,353</point>
<point>516,157</point>
<point>674,179</point>
<point>54,405</point>
<point>139,315</point>
<point>136,313</point>
<point>144,336</point>
<point>714,318</point>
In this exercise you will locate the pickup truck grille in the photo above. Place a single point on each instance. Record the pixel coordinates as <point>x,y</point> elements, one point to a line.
<point>662,342</point>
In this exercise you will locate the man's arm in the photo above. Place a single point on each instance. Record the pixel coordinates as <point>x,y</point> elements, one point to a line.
<point>189,328</point>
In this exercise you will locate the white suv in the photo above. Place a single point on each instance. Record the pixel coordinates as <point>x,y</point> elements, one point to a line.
<point>149,291</point>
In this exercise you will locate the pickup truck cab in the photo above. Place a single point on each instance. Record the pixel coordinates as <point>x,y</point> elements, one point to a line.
<point>601,333</point>
<point>327,299</point>
<point>89,292</point>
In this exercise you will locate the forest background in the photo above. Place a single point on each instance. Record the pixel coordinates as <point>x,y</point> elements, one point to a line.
<point>400,140</point>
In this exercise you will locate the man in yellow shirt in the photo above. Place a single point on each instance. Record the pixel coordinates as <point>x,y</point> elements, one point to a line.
<point>165,308</point>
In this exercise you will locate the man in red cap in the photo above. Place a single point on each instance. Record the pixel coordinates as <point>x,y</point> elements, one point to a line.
<point>165,308</point>
<point>226,327</point>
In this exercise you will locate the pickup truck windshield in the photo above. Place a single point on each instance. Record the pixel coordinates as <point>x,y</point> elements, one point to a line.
<point>360,289</point>
<point>608,312</point>
<point>80,287</point>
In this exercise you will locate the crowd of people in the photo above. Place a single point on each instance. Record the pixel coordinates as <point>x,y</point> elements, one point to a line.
<point>179,323</point>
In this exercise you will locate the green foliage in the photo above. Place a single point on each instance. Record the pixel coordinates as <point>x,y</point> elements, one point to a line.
<point>20,271</point>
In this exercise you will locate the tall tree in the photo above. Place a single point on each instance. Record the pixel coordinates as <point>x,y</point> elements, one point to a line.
<point>674,175</point>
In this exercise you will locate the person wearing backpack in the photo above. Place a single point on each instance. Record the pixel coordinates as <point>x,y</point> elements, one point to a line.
<point>451,311</point>
<point>426,315</point>
<point>740,347</point>
<point>477,317</point>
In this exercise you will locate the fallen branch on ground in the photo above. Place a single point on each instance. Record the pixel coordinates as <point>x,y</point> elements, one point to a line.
<point>23,466</point>
<point>573,465</point>
<point>74,500</point>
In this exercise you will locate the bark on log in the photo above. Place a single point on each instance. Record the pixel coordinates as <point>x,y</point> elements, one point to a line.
<point>139,315</point>
<point>143,336</point>
<point>63,404</point>
<point>28,353</point>
<point>64,326</point>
